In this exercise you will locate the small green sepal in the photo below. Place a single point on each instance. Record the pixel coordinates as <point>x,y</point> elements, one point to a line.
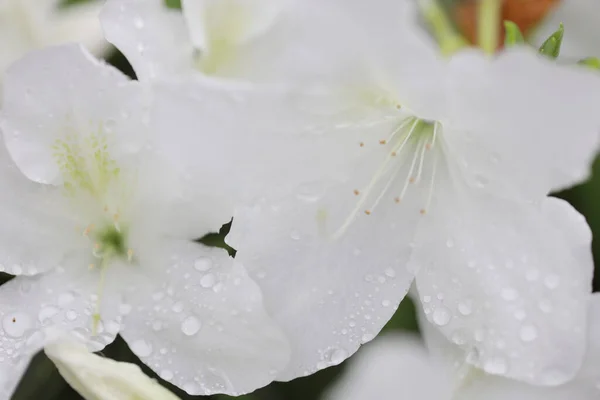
<point>590,62</point>
<point>513,34</point>
<point>551,47</point>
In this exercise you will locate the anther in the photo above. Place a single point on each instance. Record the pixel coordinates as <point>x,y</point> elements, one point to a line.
<point>368,212</point>
<point>412,179</point>
<point>129,255</point>
<point>361,144</point>
<point>398,106</point>
<point>423,211</point>
<point>88,229</point>
<point>356,192</point>
<point>397,200</point>
<point>428,146</point>
<point>383,141</point>
<point>92,266</point>
<point>393,154</point>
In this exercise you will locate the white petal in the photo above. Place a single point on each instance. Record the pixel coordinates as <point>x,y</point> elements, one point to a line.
<point>100,378</point>
<point>391,367</point>
<point>37,224</point>
<point>154,38</point>
<point>213,22</point>
<point>507,282</point>
<point>331,275</point>
<point>581,19</point>
<point>401,56</point>
<point>78,23</point>
<point>199,322</point>
<point>33,307</point>
<point>61,91</point>
<point>524,123</point>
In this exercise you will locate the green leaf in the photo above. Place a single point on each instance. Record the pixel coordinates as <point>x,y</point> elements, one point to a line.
<point>173,4</point>
<point>590,62</point>
<point>513,34</point>
<point>551,47</point>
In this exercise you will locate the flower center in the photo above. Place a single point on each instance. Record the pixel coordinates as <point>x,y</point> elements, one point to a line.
<point>94,182</point>
<point>408,146</point>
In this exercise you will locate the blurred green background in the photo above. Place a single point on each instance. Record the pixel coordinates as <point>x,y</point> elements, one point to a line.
<point>42,380</point>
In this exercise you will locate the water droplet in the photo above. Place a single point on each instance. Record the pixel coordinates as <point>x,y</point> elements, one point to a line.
<point>426,299</point>
<point>138,23</point>
<point>386,303</point>
<point>177,307</point>
<point>295,235</point>
<point>465,307</point>
<point>509,294</point>
<point>481,181</point>
<point>520,315</point>
<point>441,316</point>
<point>496,366</point>
<point>141,348</point>
<point>124,309</point>
<point>71,315</point>
<point>390,272</point>
<point>528,333</point>
<point>46,313</point>
<point>190,326</point>
<point>16,324</point>
<point>367,337</point>
<point>552,281</point>
<point>449,243</point>
<point>166,374</point>
<point>208,280</point>
<point>545,306</point>
<point>203,264</point>
<point>65,299</point>
<point>337,356</point>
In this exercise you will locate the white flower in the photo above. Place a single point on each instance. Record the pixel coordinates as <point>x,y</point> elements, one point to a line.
<point>100,378</point>
<point>434,168</point>
<point>255,40</point>
<point>32,24</point>
<point>398,366</point>
<point>102,233</point>
<point>581,19</point>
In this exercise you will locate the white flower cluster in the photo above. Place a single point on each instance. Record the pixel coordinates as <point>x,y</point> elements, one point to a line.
<point>356,159</point>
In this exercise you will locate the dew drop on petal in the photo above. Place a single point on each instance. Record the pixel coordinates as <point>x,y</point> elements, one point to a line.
<point>166,374</point>
<point>203,264</point>
<point>71,315</point>
<point>496,366</point>
<point>46,313</point>
<point>65,298</point>
<point>141,348</point>
<point>138,23</point>
<point>509,294</point>
<point>552,281</point>
<point>465,307</point>
<point>16,324</point>
<point>295,235</point>
<point>190,326</point>
<point>208,280</point>
<point>528,333</point>
<point>441,316</point>
<point>337,356</point>
<point>177,307</point>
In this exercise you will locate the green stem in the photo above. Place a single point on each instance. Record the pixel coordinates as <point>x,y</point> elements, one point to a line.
<point>488,25</point>
<point>448,39</point>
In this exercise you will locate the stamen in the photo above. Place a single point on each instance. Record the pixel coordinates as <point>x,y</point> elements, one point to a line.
<point>361,144</point>
<point>405,122</point>
<point>129,255</point>
<point>96,315</point>
<point>368,212</point>
<point>422,159</point>
<point>409,178</point>
<point>383,141</point>
<point>356,192</point>
<point>87,230</point>
<point>375,179</point>
<point>430,194</point>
